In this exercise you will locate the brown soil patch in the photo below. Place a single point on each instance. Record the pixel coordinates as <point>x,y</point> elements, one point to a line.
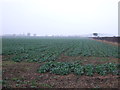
<point>24,74</point>
<point>108,42</point>
<point>15,73</point>
<point>88,60</point>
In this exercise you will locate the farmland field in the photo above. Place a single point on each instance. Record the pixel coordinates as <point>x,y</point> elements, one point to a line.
<point>59,63</point>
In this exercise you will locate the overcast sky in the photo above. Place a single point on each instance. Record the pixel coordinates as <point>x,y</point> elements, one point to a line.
<point>59,17</point>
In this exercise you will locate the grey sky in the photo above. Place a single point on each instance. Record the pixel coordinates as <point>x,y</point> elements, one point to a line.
<point>59,17</point>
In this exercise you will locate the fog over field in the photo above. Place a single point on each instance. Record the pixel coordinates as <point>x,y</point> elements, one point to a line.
<point>59,17</point>
<point>59,44</point>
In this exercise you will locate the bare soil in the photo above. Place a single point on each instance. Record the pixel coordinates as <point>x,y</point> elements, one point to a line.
<point>108,42</point>
<point>88,60</point>
<point>24,74</point>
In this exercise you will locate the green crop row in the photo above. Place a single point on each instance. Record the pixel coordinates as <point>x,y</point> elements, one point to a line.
<point>64,68</point>
<point>92,48</point>
<point>44,49</point>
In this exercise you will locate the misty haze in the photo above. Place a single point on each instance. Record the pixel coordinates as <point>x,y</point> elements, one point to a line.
<point>59,44</point>
<point>64,17</point>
